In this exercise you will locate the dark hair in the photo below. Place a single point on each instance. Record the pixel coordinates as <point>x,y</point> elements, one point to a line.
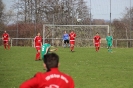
<point>97,33</point>
<point>51,60</point>
<point>46,41</point>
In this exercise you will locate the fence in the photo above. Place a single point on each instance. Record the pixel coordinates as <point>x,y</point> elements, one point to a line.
<point>124,43</point>
<point>20,42</point>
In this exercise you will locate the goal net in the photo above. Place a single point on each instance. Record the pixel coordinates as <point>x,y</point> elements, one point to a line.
<point>84,33</point>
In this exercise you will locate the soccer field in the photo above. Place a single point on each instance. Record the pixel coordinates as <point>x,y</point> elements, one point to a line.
<point>88,68</point>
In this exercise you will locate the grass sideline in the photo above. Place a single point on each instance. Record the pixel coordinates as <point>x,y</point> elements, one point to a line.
<point>88,68</point>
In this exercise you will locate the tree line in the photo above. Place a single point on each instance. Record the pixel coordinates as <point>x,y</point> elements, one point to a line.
<point>27,17</point>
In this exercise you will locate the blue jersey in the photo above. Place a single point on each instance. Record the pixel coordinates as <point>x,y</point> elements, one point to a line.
<point>65,36</point>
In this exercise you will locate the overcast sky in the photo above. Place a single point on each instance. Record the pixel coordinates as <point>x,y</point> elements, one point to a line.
<point>8,3</point>
<point>100,9</point>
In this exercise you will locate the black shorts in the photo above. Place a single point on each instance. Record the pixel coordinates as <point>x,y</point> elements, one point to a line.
<point>66,41</point>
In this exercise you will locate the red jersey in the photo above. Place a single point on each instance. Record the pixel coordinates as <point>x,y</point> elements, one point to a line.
<point>37,41</point>
<point>72,36</point>
<point>5,36</point>
<point>97,39</point>
<point>51,79</point>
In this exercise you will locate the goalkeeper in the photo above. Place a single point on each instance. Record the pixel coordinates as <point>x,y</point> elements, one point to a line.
<point>109,40</point>
<point>47,48</point>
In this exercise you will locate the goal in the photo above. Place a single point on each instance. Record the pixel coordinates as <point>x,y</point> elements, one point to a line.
<point>84,33</point>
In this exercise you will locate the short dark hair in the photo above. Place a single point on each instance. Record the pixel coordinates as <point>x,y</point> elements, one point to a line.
<point>97,33</point>
<point>46,41</point>
<point>51,60</point>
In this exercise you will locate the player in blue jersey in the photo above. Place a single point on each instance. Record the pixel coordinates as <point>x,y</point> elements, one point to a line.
<point>47,48</point>
<point>66,39</point>
<point>109,40</point>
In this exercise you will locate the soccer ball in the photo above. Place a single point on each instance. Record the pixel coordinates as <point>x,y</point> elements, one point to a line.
<point>78,20</point>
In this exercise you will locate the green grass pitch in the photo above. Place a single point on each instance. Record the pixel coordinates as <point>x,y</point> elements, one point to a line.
<point>88,68</point>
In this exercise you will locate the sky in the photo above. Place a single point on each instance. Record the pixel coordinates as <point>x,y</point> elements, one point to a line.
<point>8,3</point>
<point>100,9</point>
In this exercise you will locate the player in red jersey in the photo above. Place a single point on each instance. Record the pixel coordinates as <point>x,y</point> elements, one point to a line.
<point>97,41</point>
<point>38,45</point>
<point>53,78</point>
<point>6,39</point>
<point>72,37</point>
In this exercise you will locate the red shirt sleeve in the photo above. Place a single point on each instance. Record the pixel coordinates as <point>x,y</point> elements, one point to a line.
<point>7,35</point>
<point>41,39</point>
<point>71,83</point>
<point>99,37</point>
<point>31,83</point>
<point>69,34</point>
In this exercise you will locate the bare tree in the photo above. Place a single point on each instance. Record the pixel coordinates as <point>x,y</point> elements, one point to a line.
<point>52,11</point>
<point>1,14</point>
<point>82,12</point>
<point>9,17</point>
<point>128,20</point>
<point>1,8</point>
<point>120,30</point>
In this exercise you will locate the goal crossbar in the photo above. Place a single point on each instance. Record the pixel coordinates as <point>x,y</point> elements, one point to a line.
<point>77,25</point>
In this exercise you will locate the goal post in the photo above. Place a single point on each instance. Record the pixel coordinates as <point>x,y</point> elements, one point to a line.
<point>84,33</point>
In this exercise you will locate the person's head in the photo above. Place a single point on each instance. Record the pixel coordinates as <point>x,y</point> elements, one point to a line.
<point>46,41</point>
<point>72,31</point>
<point>38,34</point>
<point>51,60</point>
<point>97,33</point>
<point>108,34</point>
<point>65,32</point>
<point>5,31</point>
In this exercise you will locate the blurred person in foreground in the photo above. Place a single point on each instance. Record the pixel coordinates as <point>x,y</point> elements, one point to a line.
<point>52,78</point>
